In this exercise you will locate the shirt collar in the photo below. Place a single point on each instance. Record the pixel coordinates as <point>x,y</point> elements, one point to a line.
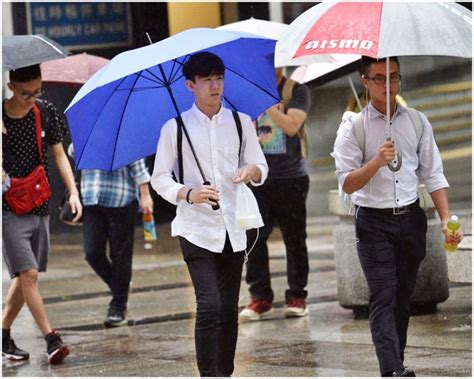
<point>374,112</point>
<point>203,117</point>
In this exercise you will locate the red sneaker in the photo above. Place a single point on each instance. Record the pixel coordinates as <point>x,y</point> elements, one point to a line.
<point>56,349</point>
<point>256,310</point>
<point>296,307</point>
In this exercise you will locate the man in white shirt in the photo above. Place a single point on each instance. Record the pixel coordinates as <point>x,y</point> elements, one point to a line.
<point>212,246</point>
<point>390,225</point>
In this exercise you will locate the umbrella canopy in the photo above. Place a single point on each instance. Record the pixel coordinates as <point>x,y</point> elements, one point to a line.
<point>305,74</point>
<point>116,117</point>
<point>73,70</point>
<point>378,30</point>
<point>275,30</point>
<point>26,50</point>
<point>264,28</point>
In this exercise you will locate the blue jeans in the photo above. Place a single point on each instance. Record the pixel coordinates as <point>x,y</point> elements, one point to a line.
<point>216,279</point>
<point>282,201</point>
<point>115,226</point>
<point>390,250</point>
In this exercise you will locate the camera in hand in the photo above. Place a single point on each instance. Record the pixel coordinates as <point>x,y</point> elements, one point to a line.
<point>214,207</point>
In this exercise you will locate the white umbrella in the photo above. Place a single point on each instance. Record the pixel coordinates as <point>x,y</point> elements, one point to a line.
<point>305,74</point>
<point>263,28</point>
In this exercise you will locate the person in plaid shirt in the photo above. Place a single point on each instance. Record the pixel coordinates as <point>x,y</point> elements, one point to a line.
<point>110,204</point>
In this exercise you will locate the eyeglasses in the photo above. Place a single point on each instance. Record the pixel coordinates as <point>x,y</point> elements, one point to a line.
<point>381,79</point>
<point>25,95</point>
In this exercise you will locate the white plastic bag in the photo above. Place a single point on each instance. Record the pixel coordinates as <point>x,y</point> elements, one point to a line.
<point>247,214</point>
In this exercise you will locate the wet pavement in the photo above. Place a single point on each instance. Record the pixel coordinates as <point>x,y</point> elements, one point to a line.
<point>159,338</point>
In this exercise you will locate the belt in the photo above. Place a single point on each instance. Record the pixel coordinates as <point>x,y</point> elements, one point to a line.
<point>392,211</point>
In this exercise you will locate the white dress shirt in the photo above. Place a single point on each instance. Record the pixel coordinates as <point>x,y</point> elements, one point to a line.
<point>388,189</point>
<point>216,142</point>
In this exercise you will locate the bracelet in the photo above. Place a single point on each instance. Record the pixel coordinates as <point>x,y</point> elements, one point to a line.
<point>187,197</point>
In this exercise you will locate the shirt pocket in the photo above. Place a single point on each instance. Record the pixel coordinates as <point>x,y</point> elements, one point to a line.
<point>230,158</point>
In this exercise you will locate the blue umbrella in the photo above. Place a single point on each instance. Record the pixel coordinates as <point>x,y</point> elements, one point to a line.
<point>116,117</point>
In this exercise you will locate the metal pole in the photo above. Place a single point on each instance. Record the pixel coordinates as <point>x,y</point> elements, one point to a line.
<point>355,93</point>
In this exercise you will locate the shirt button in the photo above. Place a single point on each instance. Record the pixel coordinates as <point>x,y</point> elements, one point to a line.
<point>396,181</point>
<point>398,200</point>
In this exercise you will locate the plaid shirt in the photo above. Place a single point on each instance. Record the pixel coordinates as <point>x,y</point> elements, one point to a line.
<point>113,189</point>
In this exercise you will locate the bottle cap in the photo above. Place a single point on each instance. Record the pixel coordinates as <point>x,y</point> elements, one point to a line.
<point>454,218</point>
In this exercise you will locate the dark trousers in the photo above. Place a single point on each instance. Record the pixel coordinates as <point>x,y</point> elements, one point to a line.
<point>216,279</point>
<point>282,201</point>
<point>115,226</point>
<point>390,250</point>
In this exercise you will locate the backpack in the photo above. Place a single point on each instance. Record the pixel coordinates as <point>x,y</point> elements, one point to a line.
<point>359,134</point>
<point>180,128</point>
<point>287,94</point>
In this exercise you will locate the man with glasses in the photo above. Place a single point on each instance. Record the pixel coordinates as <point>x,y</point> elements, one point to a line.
<point>25,237</point>
<point>390,225</point>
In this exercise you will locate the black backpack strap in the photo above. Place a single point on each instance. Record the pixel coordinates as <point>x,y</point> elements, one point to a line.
<point>238,124</point>
<point>179,124</point>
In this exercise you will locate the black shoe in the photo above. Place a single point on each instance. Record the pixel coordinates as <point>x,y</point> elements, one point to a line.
<point>55,348</point>
<point>115,318</point>
<point>12,352</point>
<point>400,372</point>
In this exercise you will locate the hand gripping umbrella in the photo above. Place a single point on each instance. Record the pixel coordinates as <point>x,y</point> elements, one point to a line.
<point>26,50</point>
<point>379,30</point>
<point>116,117</point>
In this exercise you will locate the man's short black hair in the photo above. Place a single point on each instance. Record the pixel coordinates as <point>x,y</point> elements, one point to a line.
<point>203,64</point>
<point>25,74</point>
<point>366,61</point>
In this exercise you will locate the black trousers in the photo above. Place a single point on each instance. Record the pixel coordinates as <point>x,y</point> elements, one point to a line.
<point>390,250</point>
<point>115,226</point>
<point>216,279</point>
<point>282,201</point>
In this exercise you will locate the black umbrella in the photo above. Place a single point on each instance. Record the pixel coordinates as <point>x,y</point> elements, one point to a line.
<point>26,50</point>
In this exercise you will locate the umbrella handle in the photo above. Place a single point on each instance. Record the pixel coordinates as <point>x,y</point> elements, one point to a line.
<point>395,166</point>
<point>214,207</point>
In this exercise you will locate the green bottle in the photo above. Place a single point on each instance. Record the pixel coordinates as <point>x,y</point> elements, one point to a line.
<point>453,226</point>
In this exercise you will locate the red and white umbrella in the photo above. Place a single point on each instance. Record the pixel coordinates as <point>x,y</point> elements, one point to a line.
<point>379,30</point>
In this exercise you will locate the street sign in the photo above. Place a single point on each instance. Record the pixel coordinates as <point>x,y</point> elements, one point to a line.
<point>80,26</point>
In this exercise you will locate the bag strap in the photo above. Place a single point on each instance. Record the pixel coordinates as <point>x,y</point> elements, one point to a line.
<point>359,133</point>
<point>287,91</point>
<point>417,124</point>
<point>238,124</point>
<point>38,126</point>
<point>180,128</point>
<point>179,122</point>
